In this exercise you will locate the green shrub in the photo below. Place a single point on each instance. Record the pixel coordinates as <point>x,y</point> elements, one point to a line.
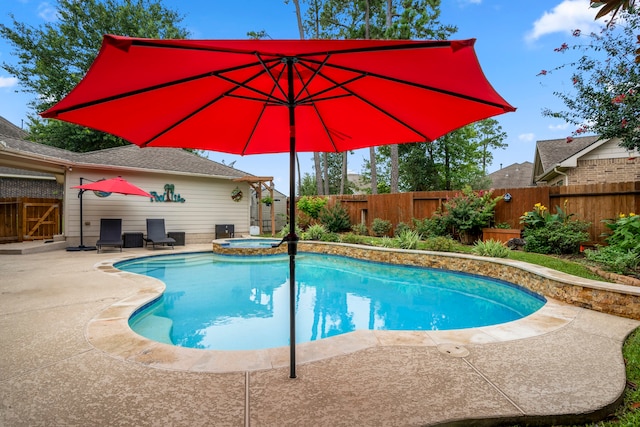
<point>556,238</point>
<point>315,232</point>
<point>387,242</point>
<point>380,227</point>
<point>430,227</point>
<point>335,219</point>
<point>311,205</point>
<point>285,230</point>
<point>330,237</point>
<point>408,239</point>
<point>360,229</point>
<point>492,248</point>
<point>614,259</point>
<point>466,214</point>
<point>439,244</point>
<point>400,228</point>
<point>623,253</point>
<point>352,238</point>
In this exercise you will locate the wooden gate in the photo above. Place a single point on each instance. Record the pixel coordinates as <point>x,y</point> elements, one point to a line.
<point>29,219</point>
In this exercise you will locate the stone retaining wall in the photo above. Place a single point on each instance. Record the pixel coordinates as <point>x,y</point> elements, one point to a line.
<point>611,298</point>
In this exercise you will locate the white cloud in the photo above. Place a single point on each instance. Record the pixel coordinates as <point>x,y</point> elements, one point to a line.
<point>527,137</point>
<point>563,126</point>
<point>47,12</point>
<point>569,15</point>
<point>8,82</point>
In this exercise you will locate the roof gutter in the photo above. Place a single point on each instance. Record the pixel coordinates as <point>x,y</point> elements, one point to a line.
<point>566,180</point>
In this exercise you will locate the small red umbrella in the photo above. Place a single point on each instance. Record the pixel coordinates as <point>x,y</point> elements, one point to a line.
<point>106,186</point>
<point>274,96</point>
<point>114,185</point>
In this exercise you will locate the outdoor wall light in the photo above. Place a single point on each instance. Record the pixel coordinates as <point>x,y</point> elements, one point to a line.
<point>507,197</point>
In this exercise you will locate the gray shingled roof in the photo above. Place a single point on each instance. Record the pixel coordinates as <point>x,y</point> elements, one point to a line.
<point>130,156</point>
<point>517,175</point>
<point>553,151</point>
<point>9,129</point>
<point>167,159</point>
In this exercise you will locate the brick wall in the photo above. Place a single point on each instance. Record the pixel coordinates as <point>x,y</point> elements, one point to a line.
<point>33,188</point>
<point>595,171</point>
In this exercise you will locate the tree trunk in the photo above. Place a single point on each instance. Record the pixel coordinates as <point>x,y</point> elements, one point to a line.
<point>395,169</point>
<point>325,173</point>
<point>343,178</point>
<point>374,172</point>
<point>318,167</point>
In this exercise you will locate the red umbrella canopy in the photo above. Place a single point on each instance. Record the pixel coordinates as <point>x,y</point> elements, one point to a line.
<point>114,185</point>
<point>237,96</point>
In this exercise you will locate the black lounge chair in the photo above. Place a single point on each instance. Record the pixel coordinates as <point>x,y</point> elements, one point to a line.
<point>157,235</point>
<point>110,233</point>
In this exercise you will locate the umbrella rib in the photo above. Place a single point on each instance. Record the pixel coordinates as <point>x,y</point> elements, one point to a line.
<point>408,83</point>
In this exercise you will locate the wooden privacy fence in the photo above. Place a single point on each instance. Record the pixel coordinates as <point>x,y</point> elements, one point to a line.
<point>589,202</point>
<point>29,219</point>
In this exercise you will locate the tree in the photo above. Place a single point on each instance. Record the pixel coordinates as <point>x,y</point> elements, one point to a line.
<point>490,136</point>
<point>605,99</point>
<point>53,58</point>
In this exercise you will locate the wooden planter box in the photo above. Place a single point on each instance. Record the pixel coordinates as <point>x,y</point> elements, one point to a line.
<point>500,234</point>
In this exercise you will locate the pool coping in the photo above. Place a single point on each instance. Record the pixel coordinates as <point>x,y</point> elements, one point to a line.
<point>110,333</point>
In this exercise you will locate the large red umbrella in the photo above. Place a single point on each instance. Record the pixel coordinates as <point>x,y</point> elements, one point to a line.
<point>273,96</point>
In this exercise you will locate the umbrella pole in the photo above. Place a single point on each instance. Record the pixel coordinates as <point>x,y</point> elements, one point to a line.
<point>292,239</point>
<point>82,247</point>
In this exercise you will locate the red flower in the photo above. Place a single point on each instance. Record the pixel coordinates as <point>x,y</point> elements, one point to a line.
<point>569,139</point>
<point>562,48</point>
<point>576,33</point>
<point>619,99</point>
<point>542,73</point>
<point>623,123</point>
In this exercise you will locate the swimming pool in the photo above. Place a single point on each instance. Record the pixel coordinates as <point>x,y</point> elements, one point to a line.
<point>224,302</point>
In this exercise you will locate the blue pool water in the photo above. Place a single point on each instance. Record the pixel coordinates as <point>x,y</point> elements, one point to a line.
<point>227,302</point>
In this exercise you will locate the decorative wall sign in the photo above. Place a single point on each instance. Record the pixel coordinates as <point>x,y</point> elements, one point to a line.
<point>236,194</point>
<point>169,195</point>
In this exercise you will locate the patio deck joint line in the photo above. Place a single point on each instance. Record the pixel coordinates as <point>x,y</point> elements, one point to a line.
<point>494,386</point>
<point>247,417</point>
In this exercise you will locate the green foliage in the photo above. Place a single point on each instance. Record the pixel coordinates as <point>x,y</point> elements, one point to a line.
<point>604,97</point>
<point>330,237</point>
<point>547,233</point>
<point>469,211</point>
<point>387,242</point>
<point>556,238</point>
<point>625,232</point>
<point>491,248</point>
<point>285,230</point>
<point>335,218</point>
<point>314,232</point>
<point>360,229</point>
<point>55,56</point>
<point>430,227</point>
<point>439,244</point>
<point>623,253</point>
<point>311,205</point>
<point>380,227</point>
<point>352,238</point>
<point>408,239</point>
<point>400,228</point>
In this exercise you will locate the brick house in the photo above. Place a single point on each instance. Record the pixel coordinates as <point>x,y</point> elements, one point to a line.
<point>584,160</point>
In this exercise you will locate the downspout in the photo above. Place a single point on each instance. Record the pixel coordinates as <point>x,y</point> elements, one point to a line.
<point>566,180</point>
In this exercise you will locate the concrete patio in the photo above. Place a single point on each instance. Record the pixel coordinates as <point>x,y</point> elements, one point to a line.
<point>564,369</point>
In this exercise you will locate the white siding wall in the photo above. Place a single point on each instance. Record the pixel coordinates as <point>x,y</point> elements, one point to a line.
<point>609,150</point>
<point>207,203</point>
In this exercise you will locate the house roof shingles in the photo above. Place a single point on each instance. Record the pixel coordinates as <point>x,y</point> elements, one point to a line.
<point>517,175</point>
<point>553,151</point>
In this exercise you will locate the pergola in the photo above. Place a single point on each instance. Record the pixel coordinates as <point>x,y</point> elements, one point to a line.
<point>258,183</point>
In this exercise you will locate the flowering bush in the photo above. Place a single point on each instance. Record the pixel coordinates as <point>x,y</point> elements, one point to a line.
<point>547,233</point>
<point>468,212</point>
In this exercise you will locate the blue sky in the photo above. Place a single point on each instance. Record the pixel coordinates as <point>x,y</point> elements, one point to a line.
<point>515,41</point>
